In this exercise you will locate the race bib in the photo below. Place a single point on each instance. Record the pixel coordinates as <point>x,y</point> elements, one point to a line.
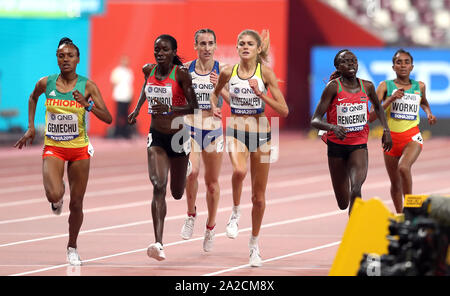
<point>90,150</point>
<point>163,94</point>
<point>62,127</point>
<point>352,116</point>
<point>407,107</point>
<point>149,140</point>
<point>244,101</point>
<point>418,138</point>
<point>219,145</point>
<point>203,91</point>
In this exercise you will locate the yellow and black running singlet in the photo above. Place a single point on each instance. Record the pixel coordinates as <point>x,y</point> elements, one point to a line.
<point>65,118</point>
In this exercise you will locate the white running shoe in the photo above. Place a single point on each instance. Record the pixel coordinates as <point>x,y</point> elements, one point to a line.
<point>255,257</point>
<point>72,257</point>
<point>57,207</point>
<point>208,240</point>
<point>156,251</point>
<point>188,227</point>
<point>189,168</point>
<point>232,225</point>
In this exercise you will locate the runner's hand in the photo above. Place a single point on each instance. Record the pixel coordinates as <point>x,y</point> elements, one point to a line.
<point>213,78</point>
<point>27,137</point>
<point>217,112</point>
<point>80,98</point>
<point>254,85</point>
<point>132,117</point>
<point>386,140</point>
<point>339,131</point>
<point>431,119</point>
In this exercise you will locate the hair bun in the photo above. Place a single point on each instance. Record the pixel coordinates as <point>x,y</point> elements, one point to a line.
<point>64,40</point>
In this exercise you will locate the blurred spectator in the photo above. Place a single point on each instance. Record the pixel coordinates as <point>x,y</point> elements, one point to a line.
<point>401,22</point>
<point>122,81</point>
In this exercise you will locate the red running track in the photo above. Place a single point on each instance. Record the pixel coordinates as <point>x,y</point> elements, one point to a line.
<point>301,231</point>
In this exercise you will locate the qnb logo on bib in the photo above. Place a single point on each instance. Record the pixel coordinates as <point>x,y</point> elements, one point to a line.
<point>162,94</point>
<point>406,107</point>
<point>244,101</point>
<point>62,127</point>
<point>352,116</point>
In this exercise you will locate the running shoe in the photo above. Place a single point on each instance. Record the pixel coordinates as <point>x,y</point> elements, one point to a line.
<point>189,168</point>
<point>72,257</point>
<point>255,257</point>
<point>156,251</point>
<point>208,240</point>
<point>232,225</point>
<point>188,227</point>
<point>57,206</point>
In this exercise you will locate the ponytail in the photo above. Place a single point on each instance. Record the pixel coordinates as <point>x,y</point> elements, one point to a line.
<point>337,74</point>
<point>334,75</point>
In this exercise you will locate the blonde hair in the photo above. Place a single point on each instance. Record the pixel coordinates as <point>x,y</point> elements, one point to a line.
<point>263,56</point>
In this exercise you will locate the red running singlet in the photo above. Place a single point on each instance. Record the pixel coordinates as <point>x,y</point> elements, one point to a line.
<point>351,111</point>
<point>166,91</point>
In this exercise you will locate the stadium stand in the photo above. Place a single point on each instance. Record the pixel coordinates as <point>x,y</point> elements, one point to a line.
<point>401,22</point>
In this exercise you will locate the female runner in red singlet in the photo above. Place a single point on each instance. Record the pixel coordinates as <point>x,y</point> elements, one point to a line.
<point>168,89</point>
<point>345,100</point>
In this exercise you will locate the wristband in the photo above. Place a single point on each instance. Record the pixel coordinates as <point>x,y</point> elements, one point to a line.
<point>89,108</point>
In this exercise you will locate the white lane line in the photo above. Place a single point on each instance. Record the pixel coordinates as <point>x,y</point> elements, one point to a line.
<point>301,219</point>
<point>223,209</point>
<point>248,229</point>
<point>148,187</point>
<point>275,171</point>
<point>276,258</point>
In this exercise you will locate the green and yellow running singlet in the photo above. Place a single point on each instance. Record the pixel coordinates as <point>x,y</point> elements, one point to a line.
<point>65,118</point>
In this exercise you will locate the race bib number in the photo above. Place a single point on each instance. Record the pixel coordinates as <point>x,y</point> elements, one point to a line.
<point>187,146</point>
<point>203,91</point>
<point>407,107</point>
<point>62,127</point>
<point>162,94</point>
<point>219,145</point>
<point>149,140</point>
<point>244,101</point>
<point>352,116</point>
<point>90,150</point>
<point>418,138</point>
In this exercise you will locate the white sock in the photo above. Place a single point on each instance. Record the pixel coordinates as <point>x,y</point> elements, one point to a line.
<point>236,210</point>
<point>253,243</point>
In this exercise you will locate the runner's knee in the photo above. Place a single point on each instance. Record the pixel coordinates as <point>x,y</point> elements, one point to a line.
<point>76,205</point>
<point>54,195</point>
<point>404,170</point>
<point>259,201</point>
<point>239,174</point>
<point>212,186</point>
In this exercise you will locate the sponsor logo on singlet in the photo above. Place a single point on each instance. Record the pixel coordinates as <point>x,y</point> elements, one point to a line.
<point>352,116</point>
